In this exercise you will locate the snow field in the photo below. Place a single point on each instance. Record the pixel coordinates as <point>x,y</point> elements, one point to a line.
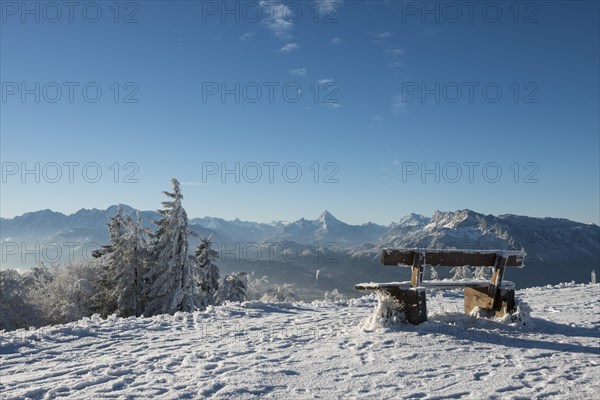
<point>315,350</point>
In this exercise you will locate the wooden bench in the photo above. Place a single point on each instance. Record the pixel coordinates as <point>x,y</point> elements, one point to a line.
<point>495,296</point>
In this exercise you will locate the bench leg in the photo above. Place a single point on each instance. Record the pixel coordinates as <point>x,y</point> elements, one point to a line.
<point>479,297</point>
<point>412,301</point>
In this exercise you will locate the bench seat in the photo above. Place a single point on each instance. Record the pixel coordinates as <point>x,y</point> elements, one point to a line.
<point>443,284</point>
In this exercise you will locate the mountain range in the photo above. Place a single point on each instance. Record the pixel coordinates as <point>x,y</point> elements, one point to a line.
<point>557,249</point>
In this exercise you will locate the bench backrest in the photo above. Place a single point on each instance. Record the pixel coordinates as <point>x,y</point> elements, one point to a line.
<point>452,258</point>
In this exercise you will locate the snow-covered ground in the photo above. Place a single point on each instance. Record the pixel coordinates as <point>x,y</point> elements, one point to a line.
<point>316,350</point>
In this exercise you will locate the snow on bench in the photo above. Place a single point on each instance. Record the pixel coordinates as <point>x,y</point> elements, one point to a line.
<point>495,296</point>
<point>443,284</point>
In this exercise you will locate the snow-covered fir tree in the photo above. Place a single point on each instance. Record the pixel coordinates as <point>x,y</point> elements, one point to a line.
<point>15,311</point>
<point>256,287</point>
<point>116,229</point>
<point>459,273</point>
<point>37,277</point>
<point>482,273</point>
<point>467,272</point>
<point>194,299</point>
<point>70,294</point>
<point>280,294</point>
<point>105,297</point>
<point>171,281</point>
<point>206,256</point>
<point>334,296</point>
<point>128,268</point>
<point>434,274</point>
<point>234,287</point>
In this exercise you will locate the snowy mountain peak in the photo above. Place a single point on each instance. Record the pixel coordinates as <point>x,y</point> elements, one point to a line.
<point>453,219</point>
<point>413,219</point>
<point>326,217</point>
<point>112,210</point>
<point>552,239</point>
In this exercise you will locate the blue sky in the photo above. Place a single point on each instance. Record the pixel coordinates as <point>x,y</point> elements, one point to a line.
<point>375,92</point>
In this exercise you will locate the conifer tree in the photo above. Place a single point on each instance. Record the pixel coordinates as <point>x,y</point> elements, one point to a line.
<point>482,273</point>
<point>128,267</point>
<point>234,287</point>
<point>105,301</point>
<point>206,256</point>
<point>169,276</point>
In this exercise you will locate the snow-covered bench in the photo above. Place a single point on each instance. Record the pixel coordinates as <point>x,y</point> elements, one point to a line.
<point>496,296</point>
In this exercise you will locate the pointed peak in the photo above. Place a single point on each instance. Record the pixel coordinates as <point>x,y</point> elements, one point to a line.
<point>326,213</point>
<point>326,216</point>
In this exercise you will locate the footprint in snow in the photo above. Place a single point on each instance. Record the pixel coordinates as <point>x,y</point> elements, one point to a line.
<point>209,367</point>
<point>364,345</point>
<point>479,375</point>
<point>212,390</point>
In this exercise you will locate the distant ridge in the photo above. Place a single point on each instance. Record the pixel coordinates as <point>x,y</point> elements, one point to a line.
<point>557,249</point>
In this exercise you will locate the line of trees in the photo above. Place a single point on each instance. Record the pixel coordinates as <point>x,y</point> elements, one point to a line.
<point>464,272</point>
<point>139,273</point>
<point>149,273</point>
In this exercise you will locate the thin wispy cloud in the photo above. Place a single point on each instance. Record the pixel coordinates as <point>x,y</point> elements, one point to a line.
<point>395,55</point>
<point>380,38</point>
<point>375,120</point>
<point>330,2</point>
<point>246,35</point>
<point>278,18</point>
<point>325,81</point>
<point>428,32</point>
<point>330,86</point>
<point>398,104</point>
<point>298,72</point>
<point>288,48</point>
<point>393,52</point>
<point>336,41</point>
